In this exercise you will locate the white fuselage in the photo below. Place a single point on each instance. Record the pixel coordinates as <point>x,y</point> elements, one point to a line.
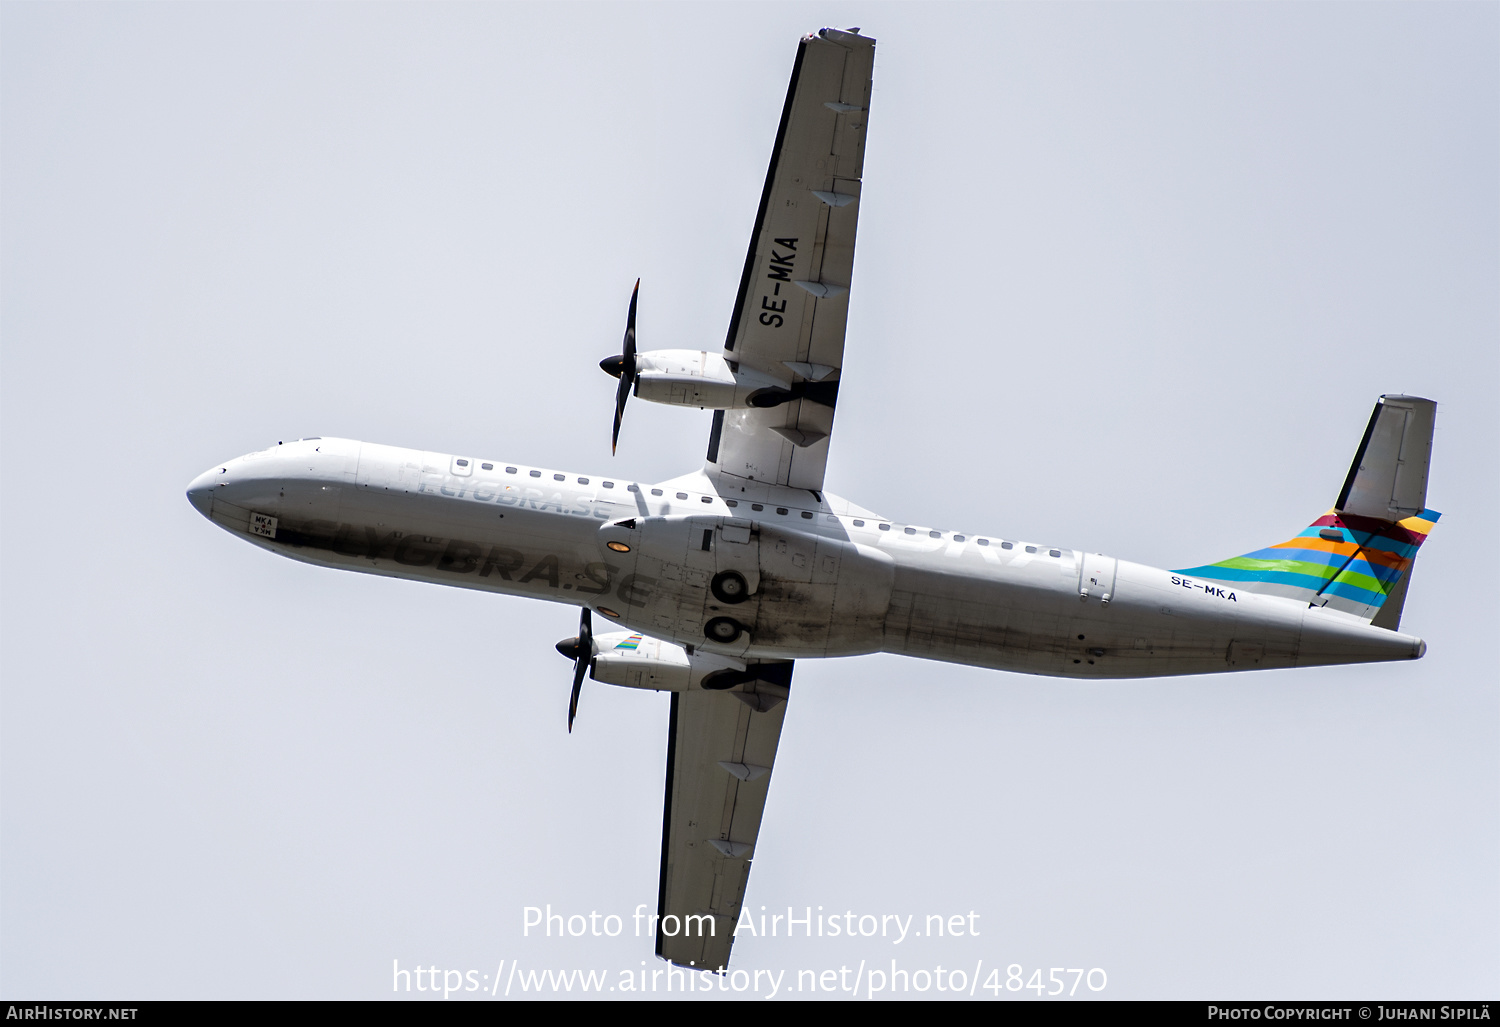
<point>827,578</point>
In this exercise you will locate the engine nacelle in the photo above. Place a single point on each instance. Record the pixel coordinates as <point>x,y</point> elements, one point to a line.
<point>634,660</point>
<point>697,378</point>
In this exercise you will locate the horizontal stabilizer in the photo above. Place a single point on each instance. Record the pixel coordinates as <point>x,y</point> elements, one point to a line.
<point>1388,479</point>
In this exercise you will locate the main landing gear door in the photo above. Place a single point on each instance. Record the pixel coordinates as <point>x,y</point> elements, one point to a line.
<point>1096,578</point>
<point>687,571</point>
<point>736,554</point>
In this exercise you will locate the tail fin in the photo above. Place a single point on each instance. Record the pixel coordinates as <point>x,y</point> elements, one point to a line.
<point>1358,556</point>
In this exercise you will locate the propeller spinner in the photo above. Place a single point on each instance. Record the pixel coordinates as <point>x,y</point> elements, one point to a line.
<point>622,366</point>
<point>579,649</point>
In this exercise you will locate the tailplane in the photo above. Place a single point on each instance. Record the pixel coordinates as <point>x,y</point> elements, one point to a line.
<point>1358,556</point>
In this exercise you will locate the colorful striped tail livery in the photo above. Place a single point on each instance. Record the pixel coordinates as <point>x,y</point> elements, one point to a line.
<point>1358,556</point>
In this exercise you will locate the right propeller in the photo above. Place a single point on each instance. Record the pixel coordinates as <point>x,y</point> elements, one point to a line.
<point>622,366</point>
<point>580,650</point>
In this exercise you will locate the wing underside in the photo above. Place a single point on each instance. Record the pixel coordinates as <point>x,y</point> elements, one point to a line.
<point>792,307</point>
<point>720,749</point>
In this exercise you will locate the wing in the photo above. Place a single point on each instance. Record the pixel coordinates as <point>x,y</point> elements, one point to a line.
<point>793,302</point>
<point>719,753</point>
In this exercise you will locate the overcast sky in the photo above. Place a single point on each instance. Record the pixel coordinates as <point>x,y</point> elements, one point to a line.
<point>1129,279</point>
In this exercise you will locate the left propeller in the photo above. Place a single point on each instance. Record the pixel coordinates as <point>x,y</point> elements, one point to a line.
<point>622,366</point>
<point>580,650</point>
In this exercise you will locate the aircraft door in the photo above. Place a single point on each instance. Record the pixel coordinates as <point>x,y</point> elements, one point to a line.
<point>1096,578</point>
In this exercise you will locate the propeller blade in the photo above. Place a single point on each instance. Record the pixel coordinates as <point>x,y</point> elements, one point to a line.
<point>622,393</point>
<point>583,651</point>
<point>629,350</point>
<point>579,667</point>
<point>625,363</point>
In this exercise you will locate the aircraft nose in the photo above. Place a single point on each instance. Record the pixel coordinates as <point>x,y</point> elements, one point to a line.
<point>200,490</point>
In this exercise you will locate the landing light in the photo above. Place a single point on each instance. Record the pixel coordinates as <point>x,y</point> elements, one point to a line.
<point>619,547</point>
<point>607,612</point>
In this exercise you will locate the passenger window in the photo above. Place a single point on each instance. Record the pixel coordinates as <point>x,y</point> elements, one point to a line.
<point>1007,545</point>
<point>935,534</point>
<point>1054,552</point>
<point>707,499</point>
<point>559,477</point>
<point>1031,549</point>
<point>731,502</point>
<point>859,524</point>
<point>682,495</point>
<point>984,541</point>
<point>487,467</point>
<point>462,462</point>
<point>806,515</point>
<point>583,481</point>
<point>510,470</point>
<point>885,527</point>
<point>756,506</point>
<point>781,510</point>
<point>609,484</point>
<point>911,531</point>
<point>656,492</point>
<point>536,474</point>
<point>958,538</point>
<point>632,488</point>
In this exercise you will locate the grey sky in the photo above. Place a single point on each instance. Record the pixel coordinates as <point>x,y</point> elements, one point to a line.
<point>1130,278</point>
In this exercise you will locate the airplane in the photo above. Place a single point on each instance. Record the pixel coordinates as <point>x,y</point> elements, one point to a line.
<point>713,584</point>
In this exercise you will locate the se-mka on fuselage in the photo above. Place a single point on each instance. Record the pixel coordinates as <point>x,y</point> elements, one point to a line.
<point>826,578</point>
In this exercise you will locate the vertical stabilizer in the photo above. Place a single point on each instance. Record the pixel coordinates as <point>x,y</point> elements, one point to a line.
<point>1358,556</point>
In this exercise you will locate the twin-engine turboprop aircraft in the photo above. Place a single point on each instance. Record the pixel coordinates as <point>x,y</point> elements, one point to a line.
<point>717,581</point>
